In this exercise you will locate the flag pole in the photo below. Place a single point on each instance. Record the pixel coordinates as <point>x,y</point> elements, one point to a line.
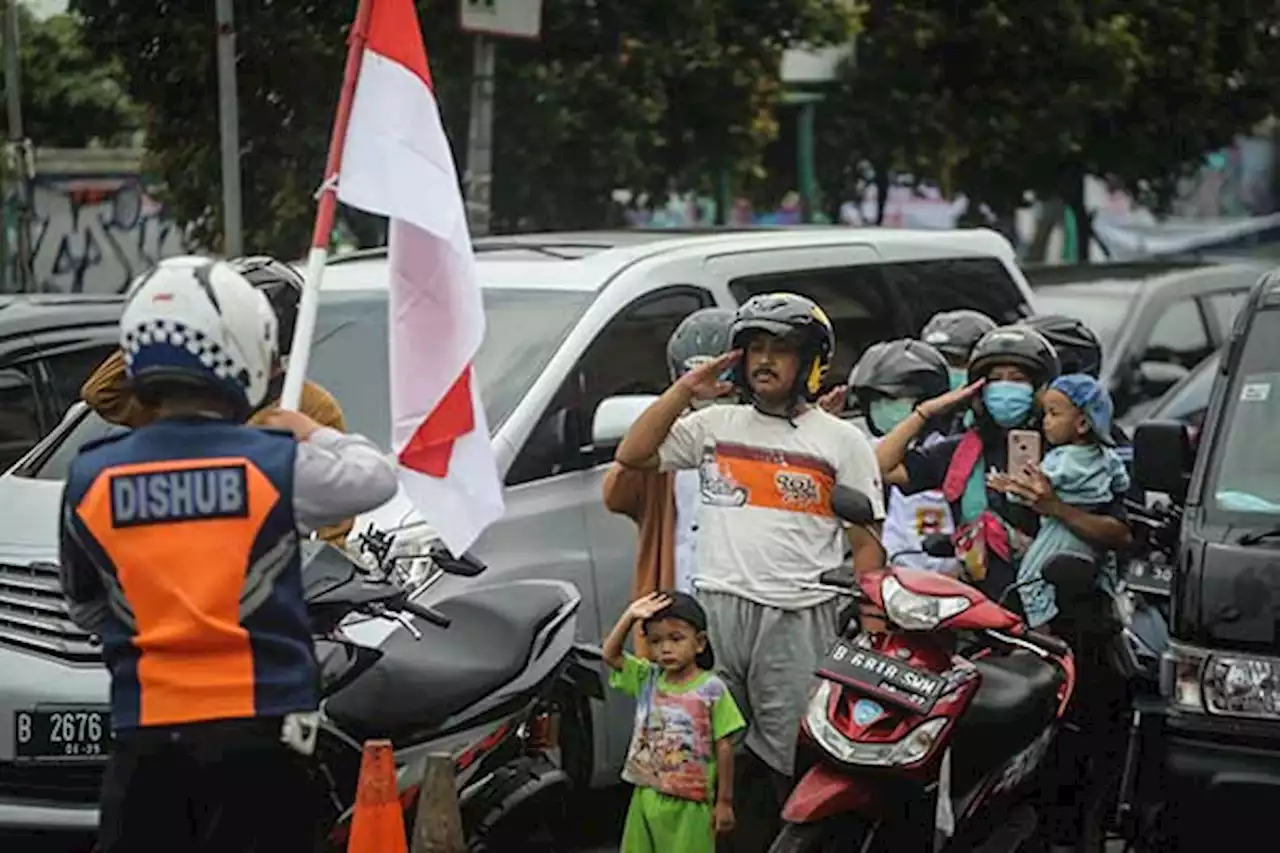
<point>327,197</point>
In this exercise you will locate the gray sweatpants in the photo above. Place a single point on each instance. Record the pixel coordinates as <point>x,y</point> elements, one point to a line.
<point>767,657</point>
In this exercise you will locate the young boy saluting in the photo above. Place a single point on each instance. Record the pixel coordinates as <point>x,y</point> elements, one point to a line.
<point>680,759</point>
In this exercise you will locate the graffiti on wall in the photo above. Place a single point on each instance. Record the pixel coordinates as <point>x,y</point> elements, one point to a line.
<point>95,234</point>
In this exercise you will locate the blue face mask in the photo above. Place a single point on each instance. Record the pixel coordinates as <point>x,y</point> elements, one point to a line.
<point>959,377</point>
<point>885,414</point>
<point>1008,403</point>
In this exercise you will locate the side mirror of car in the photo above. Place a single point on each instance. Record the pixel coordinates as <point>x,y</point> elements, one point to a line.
<point>938,545</point>
<point>852,506</point>
<point>1162,458</point>
<point>1157,377</point>
<point>615,415</point>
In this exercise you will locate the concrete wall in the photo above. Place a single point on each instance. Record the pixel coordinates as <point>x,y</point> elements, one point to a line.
<point>96,223</point>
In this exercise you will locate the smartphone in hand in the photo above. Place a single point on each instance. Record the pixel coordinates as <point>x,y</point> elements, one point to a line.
<point>1024,449</point>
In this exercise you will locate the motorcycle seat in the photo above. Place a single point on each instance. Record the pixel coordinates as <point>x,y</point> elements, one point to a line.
<point>1016,700</point>
<point>418,684</point>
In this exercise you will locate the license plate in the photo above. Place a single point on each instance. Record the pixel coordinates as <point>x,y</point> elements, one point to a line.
<point>1149,577</point>
<point>888,679</point>
<point>65,734</point>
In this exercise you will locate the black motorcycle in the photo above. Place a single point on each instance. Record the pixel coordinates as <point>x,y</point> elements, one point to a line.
<point>491,676</point>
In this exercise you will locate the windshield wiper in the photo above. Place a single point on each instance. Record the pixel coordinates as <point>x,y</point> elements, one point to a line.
<point>1258,536</point>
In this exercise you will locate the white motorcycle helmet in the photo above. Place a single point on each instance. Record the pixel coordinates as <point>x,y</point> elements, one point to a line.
<point>195,321</point>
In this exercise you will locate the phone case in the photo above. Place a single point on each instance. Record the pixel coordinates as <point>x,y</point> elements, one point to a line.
<point>1024,449</point>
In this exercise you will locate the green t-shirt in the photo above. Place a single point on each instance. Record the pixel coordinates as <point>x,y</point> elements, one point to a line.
<point>673,748</point>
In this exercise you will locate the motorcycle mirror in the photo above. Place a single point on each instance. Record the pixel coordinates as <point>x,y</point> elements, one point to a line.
<point>1073,577</point>
<point>852,506</point>
<point>938,545</point>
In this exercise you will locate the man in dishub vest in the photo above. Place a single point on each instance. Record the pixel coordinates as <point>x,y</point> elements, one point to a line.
<point>179,547</point>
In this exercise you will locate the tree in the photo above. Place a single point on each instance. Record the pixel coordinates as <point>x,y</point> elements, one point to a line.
<point>999,99</point>
<point>615,95</point>
<point>69,98</point>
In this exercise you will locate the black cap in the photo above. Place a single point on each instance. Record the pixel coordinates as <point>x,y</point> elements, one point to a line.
<point>686,608</point>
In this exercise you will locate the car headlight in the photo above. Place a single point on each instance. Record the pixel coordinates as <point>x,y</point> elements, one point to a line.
<point>1180,677</point>
<point>900,753</point>
<point>916,612</point>
<point>1242,686</point>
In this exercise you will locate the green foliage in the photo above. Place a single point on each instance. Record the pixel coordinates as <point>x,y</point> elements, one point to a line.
<point>995,98</point>
<point>615,94</point>
<point>69,97</point>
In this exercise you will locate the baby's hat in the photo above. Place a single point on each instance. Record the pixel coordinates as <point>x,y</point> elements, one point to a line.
<point>1092,398</point>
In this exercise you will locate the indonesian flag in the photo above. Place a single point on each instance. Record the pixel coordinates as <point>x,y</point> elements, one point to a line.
<point>396,162</point>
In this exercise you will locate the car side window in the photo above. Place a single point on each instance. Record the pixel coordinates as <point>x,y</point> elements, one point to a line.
<point>856,299</point>
<point>946,284</point>
<point>1179,336</point>
<point>68,370</point>
<point>628,357</point>
<point>20,420</point>
<point>1224,307</point>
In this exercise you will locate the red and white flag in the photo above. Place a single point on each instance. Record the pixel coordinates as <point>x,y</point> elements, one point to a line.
<point>396,162</point>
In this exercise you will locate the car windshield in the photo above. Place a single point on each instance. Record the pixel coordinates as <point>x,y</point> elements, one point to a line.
<point>524,329</point>
<point>1245,468</point>
<point>1102,306</point>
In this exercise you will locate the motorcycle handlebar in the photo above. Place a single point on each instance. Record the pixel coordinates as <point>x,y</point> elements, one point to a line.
<point>1049,642</point>
<point>427,614</point>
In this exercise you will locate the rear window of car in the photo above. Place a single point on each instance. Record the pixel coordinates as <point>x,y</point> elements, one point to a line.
<point>1102,308</point>
<point>879,302</point>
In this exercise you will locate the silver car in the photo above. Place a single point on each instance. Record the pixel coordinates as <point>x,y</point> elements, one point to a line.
<point>575,346</point>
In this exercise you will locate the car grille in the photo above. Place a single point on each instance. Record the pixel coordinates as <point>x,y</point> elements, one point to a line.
<point>33,615</point>
<point>51,783</point>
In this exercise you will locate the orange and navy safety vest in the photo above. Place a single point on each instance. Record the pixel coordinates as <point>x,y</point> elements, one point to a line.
<point>190,524</point>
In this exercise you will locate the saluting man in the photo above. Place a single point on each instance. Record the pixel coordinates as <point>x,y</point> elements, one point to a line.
<point>179,547</point>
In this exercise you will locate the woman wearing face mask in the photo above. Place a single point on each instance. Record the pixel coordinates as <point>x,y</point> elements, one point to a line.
<point>888,382</point>
<point>1009,366</point>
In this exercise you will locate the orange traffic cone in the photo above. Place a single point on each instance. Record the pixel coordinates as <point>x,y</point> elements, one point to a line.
<point>378,823</point>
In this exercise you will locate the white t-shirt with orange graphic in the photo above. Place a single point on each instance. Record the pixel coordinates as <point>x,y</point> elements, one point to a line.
<point>765,522</point>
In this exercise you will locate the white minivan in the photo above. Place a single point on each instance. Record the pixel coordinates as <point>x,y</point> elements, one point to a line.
<point>574,321</point>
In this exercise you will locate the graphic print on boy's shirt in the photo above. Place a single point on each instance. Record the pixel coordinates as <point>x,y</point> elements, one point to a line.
<point>676,728</point>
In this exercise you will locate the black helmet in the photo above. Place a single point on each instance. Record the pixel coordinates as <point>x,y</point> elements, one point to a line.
<point>955,333</point>
<point>701,336</point>
<point>1078,347</point>
<point>797,318</point>
<point>282,285</point>
<point>904,369</point>
<point>1020,346</point>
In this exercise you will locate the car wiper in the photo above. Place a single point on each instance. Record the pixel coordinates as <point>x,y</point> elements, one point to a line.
<point>1258,536</point>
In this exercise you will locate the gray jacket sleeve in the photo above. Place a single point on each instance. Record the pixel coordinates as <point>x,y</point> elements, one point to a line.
<point>339,475</point>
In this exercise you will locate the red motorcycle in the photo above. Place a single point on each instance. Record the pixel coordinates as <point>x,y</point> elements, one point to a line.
<point>927,736</point>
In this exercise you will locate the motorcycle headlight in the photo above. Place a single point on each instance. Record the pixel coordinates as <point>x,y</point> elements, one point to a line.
<point>1242,686</point>
<point>1180,674</point>
<point>409,563</point>
<point>916,612</point>
<point>912,748</point>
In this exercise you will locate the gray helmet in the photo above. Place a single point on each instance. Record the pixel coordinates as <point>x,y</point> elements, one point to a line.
<point>955,333</point>
<point>700,337</point>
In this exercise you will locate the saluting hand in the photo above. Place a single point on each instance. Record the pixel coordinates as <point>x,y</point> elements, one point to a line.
<point>704,381</point>
<point>833,402</point>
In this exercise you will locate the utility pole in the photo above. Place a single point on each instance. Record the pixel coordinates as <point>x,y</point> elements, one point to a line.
<point>19,152</point>
<point>480,136</point>
<point>229,129</point>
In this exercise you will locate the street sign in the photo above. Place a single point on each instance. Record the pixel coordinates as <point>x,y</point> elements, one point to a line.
<point>509,18</point>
